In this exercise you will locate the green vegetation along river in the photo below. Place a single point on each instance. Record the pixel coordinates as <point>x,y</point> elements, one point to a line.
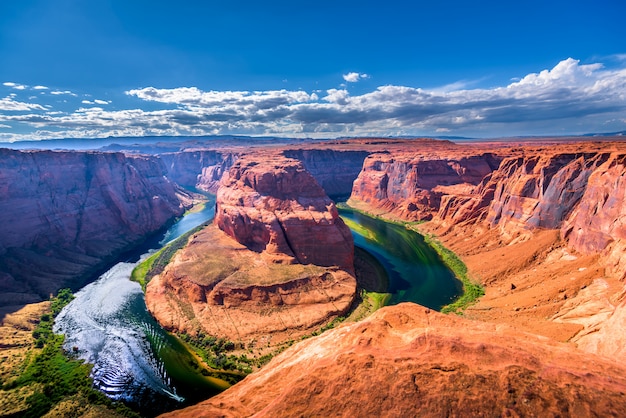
<point>136,361</point>
<point>416,272</point>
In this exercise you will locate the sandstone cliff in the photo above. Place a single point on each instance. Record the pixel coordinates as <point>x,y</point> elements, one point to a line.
<point>63,214</point>
<point>406,360</point>
<point>411,185</point>
<point>542,225</point>
<point>334,170</point>
<point>202,169</point>
<point>272,204</point>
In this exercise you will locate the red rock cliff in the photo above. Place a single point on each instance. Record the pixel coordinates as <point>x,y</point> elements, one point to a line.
<point>334,170</point>
<point>271,203</point>
<point>409,185</point>
<point>64,213</point>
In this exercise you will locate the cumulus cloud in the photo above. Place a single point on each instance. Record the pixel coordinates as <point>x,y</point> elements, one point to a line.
<point>354,77</point>
<point>569,97</point>
<point>40,88</point>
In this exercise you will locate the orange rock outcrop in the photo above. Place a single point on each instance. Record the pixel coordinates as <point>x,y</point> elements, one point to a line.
<point>406,360</point>
<point>271,204</point>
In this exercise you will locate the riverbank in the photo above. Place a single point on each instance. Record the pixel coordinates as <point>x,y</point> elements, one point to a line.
<point>432,287</point>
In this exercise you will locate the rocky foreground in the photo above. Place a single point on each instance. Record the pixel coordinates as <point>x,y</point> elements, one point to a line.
<point>406,360</point>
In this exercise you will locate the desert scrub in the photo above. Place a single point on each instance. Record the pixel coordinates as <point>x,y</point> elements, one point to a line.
<point>472,291</point>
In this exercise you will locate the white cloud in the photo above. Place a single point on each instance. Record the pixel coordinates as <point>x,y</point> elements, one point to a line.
<point>568,97</point>
<point>14,106</point>
<point>62,92</point>
<point>354,77</point>
<point>40,88</point>
<point>16,86</point>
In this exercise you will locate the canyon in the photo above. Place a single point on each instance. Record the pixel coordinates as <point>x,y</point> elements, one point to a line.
<point>538,223</point>
<point>65,215</point>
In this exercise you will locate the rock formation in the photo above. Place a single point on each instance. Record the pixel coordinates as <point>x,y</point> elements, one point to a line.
<point>202,169</point>
<point>406,360</point>
<point>218,287</point>
<point>411,185</point>
<point>272,204</point>
<point>63,214</point>
<point>334,170</point>
<point>280,265</point>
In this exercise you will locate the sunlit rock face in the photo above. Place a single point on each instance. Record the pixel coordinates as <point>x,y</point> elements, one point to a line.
<point>411,185</point>
<point>406,360</point>
<point>64,213</point>
<point>272,204</point>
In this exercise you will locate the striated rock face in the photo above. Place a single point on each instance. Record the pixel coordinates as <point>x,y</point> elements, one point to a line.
<point>410,186</point>
<point>597,224</point>
<point>334,170</point>
<point>539,191</point>
<point>272,204</point>
<point>219,287</point>
<point>64,213</point>
<point>406,360</point>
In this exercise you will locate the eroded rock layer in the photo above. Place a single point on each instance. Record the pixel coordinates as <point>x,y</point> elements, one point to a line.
<point>406,360</point>
<point>271,204</point>
<point>411,185</point>
<point>63,214</point>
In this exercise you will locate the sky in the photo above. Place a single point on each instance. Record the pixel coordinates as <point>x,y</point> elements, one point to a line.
<point>319,69</point>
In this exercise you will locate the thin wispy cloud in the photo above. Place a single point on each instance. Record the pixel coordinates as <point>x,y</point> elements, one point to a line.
<point>554,99</point>
<point>62,92</point>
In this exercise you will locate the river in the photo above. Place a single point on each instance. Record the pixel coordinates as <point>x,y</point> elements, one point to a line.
<point>416,272</point>
<point>136,361</point>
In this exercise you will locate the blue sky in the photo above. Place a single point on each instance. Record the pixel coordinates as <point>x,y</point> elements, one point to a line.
<point>96,68</point>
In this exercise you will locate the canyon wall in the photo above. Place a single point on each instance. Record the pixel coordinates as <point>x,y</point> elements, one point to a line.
<point>334,170</point>
<point>63,214</point>
<point>202,169</point>
<point>501,223</point>
<point>411,186</point>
